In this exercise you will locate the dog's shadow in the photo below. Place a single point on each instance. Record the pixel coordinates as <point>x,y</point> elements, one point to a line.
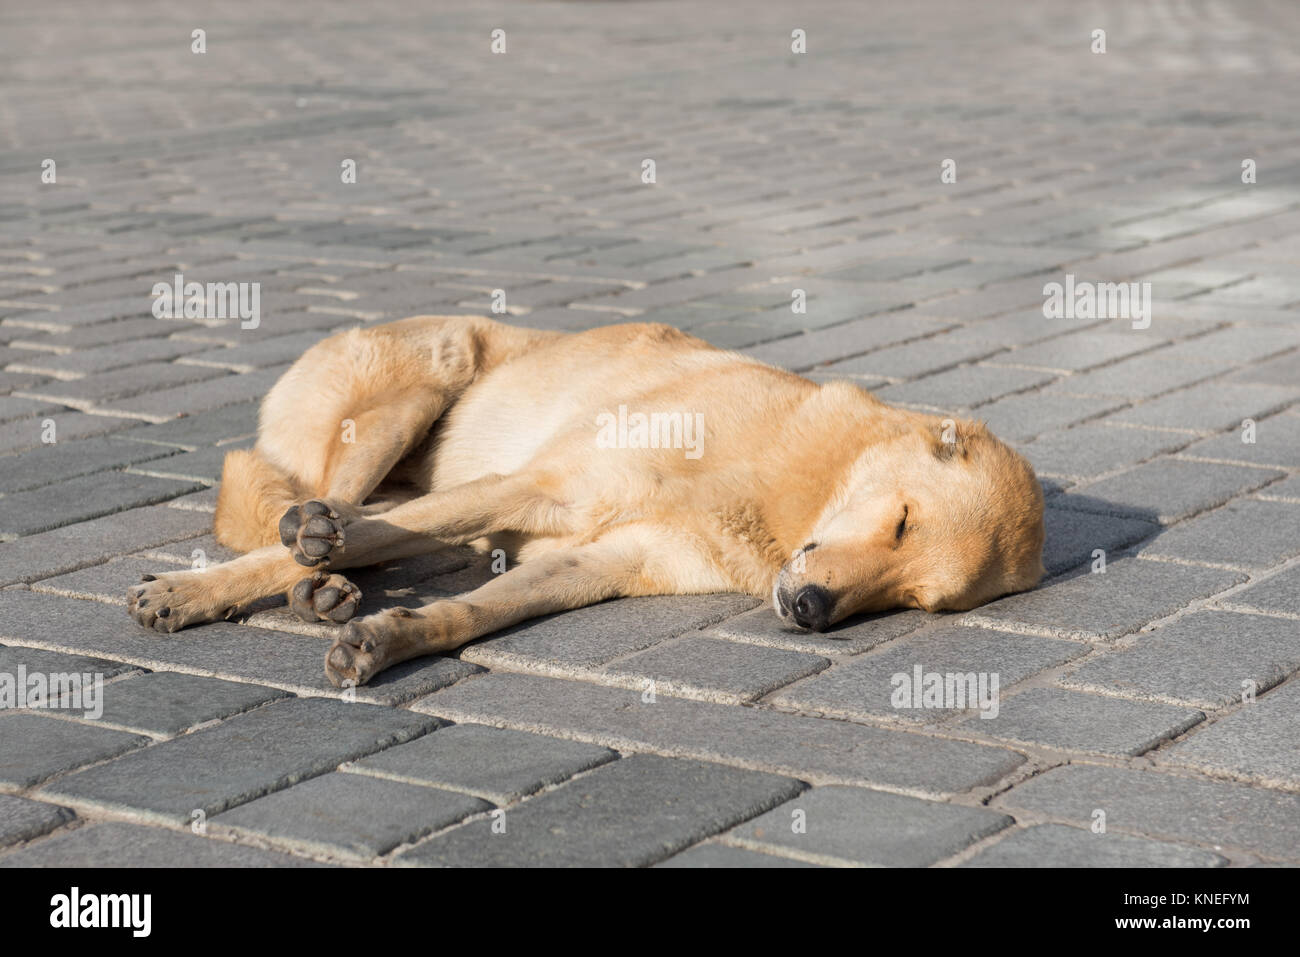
<point>1084,531</point>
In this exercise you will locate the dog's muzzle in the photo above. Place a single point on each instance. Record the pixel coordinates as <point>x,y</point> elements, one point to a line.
<point>809,606</point>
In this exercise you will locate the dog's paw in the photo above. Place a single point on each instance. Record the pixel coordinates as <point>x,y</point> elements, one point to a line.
<point>367,646</point>
<point>312,532</point>
<point>353,659</point>
<point>171,601</point>
<point>324,597</point>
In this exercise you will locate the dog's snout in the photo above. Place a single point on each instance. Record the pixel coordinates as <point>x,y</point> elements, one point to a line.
<point>811,608</point>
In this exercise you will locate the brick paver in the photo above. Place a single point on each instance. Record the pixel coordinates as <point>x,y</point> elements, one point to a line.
<point>1154,675</point>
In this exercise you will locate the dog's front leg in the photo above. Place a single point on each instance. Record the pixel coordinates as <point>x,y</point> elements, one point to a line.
<point>607,568</point>
<point>172,600</point>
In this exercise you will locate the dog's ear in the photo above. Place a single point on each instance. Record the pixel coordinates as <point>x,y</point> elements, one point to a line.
<point>952,440</point>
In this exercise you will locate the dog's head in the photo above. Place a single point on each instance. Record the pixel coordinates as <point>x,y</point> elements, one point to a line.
<point>938,515</point>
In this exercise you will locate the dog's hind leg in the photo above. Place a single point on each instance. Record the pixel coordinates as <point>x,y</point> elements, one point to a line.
<point>609,567</point>
<point>361,402</point>
<point>517,503</point>
<point>331,430</point>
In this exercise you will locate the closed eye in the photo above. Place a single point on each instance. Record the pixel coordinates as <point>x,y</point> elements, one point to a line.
<point>902,526</point>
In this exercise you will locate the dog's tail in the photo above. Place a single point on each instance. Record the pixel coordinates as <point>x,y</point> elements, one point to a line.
<point>254,495</point>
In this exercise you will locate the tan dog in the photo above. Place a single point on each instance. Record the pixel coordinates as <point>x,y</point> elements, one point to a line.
<point>626,460</point>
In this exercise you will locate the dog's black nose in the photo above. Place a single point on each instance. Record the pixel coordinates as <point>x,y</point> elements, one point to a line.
<point>812,608</point>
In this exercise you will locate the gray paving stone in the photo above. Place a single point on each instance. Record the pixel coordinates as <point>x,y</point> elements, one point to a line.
<point>1279,595</point>
<point>103,333</point>
<point>204,500</point>
<point>63,503</point>
<point>1166,489</point>
<point>1075,351</point>
<point>106,358</point>
<point>1071,720</point>
<point>1099,605</point>
<point>115,844</point>
<point>201,465</point>
<point>1019,418</point>
<point>1208,409</point>
<point>168,703</point>
<point>813,749</point>
<point>1257,742</point>
<point>12,657</point>
<point>349,814</point>
<point>853,635</point>
<point>963,387</point>
<point>90,542</point>
<point>672,292</point>
<point>731,334</point>
<point>99,582</point>
<point>27,432</point>
<point>23,382</point>
<point>457,578</point>
<point>190,399</point>
<point>1237,344</point>
<point>591,636</point>
<point>70,459</point>
<point>1286,490</point>
<point>495,764</point>
<point>1166,806</point>
<point>1276,443</point>
<point>899,267</point>
<point>811,349</point>
<point>1200,660</point>
<point>1056,845</point>
<point>915,358</point>
<point>1073,536</point>
<point>22,820</point>
<point>1284,370</point>
<point>864,685</point>
<point>715,669</point>
<point>242,758</point>
<point>201,429</point>
<point>630,813</point>
<point>858,826</point>
<point>1246,533</point>
<point>27,408</point>
<point>711,854</point>
<point>1138,378</point>
<point>267,352</point>
<point>34,746</point>
<point>144,377</point>
<point>277,659</point>
<point>1018,328</point>
<point>189,551</point>
<point>1091,449</point>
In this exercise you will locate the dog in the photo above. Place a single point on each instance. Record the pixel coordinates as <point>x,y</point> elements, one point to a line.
<point>630,459</point>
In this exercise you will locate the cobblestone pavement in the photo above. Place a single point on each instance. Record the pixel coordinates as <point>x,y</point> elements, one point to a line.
<point>1147,715</point>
